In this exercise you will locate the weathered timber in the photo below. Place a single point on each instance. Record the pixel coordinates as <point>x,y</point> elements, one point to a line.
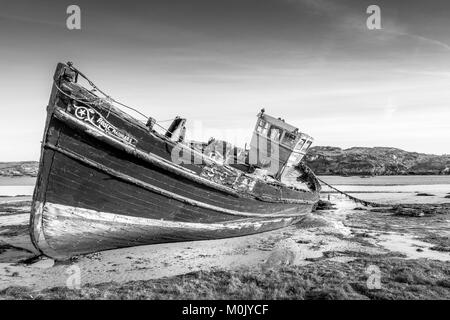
<point>106,181</point>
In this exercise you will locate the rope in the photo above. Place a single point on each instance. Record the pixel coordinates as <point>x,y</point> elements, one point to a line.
<point>167,120</point>
<point>108,97</point>
<point>70,96</point>
<point>91,101</point>
<point>363,202</point>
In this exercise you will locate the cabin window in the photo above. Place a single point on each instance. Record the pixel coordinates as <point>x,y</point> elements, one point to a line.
<point>307,145</point>
<point>300,144</point>
<point>275,133</point>
<point>263,127</point>
<point>289,140</point>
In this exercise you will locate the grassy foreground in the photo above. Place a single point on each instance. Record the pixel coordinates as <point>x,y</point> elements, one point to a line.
<point>400,279</point>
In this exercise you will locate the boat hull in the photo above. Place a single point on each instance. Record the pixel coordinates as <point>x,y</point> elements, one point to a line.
<point>116,185</point>
<point>69,231</point>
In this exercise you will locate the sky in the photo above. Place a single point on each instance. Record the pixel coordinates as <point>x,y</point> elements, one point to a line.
<point>217,63</point>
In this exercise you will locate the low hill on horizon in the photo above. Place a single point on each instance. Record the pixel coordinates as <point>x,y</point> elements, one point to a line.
<point>326,160</point>
<point>19,169</point>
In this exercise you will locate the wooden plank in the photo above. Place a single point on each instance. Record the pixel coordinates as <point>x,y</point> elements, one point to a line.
<point>115,185</point>
<point>72,230</point>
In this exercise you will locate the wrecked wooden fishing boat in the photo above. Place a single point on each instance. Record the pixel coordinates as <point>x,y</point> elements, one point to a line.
<point>107,180</point>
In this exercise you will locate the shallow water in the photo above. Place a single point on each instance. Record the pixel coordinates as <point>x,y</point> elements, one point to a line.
<point>12,191</point>
<point>393,189</point>
<point>14,186</point>
<point>387,180</point>
<point>17,181</point>
<point>408,245</point>
<point>389,187</point>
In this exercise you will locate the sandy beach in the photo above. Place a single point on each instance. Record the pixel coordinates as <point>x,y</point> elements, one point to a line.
<point>341,235</point>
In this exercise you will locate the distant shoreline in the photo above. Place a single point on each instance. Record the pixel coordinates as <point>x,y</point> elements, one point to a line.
<point>362,176</point>
<point>386,180</point>
<point>381,180</point>
<point>360,162</point>
<point>17,180</point>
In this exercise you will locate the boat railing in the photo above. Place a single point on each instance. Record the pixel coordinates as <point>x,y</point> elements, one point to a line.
<point>150,122</point>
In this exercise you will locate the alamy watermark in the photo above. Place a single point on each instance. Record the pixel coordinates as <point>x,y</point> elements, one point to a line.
<point>262,152</point>
<point>73,21</point>
<point>374,277</point>
<point>73,280</point>
<point>374,20</point>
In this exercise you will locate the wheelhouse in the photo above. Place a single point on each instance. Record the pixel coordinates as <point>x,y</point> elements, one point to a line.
<point>277,145</point>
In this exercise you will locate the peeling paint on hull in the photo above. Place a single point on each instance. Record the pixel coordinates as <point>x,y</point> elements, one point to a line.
<point>69,231</point>
<point>100,189</point>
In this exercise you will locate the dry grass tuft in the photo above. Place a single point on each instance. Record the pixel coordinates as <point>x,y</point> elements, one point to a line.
<point>400,279</point>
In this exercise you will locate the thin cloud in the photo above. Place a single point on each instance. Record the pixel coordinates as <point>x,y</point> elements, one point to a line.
<point>347,17</point>
<point>440,74</point>
<point>397,31</point>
